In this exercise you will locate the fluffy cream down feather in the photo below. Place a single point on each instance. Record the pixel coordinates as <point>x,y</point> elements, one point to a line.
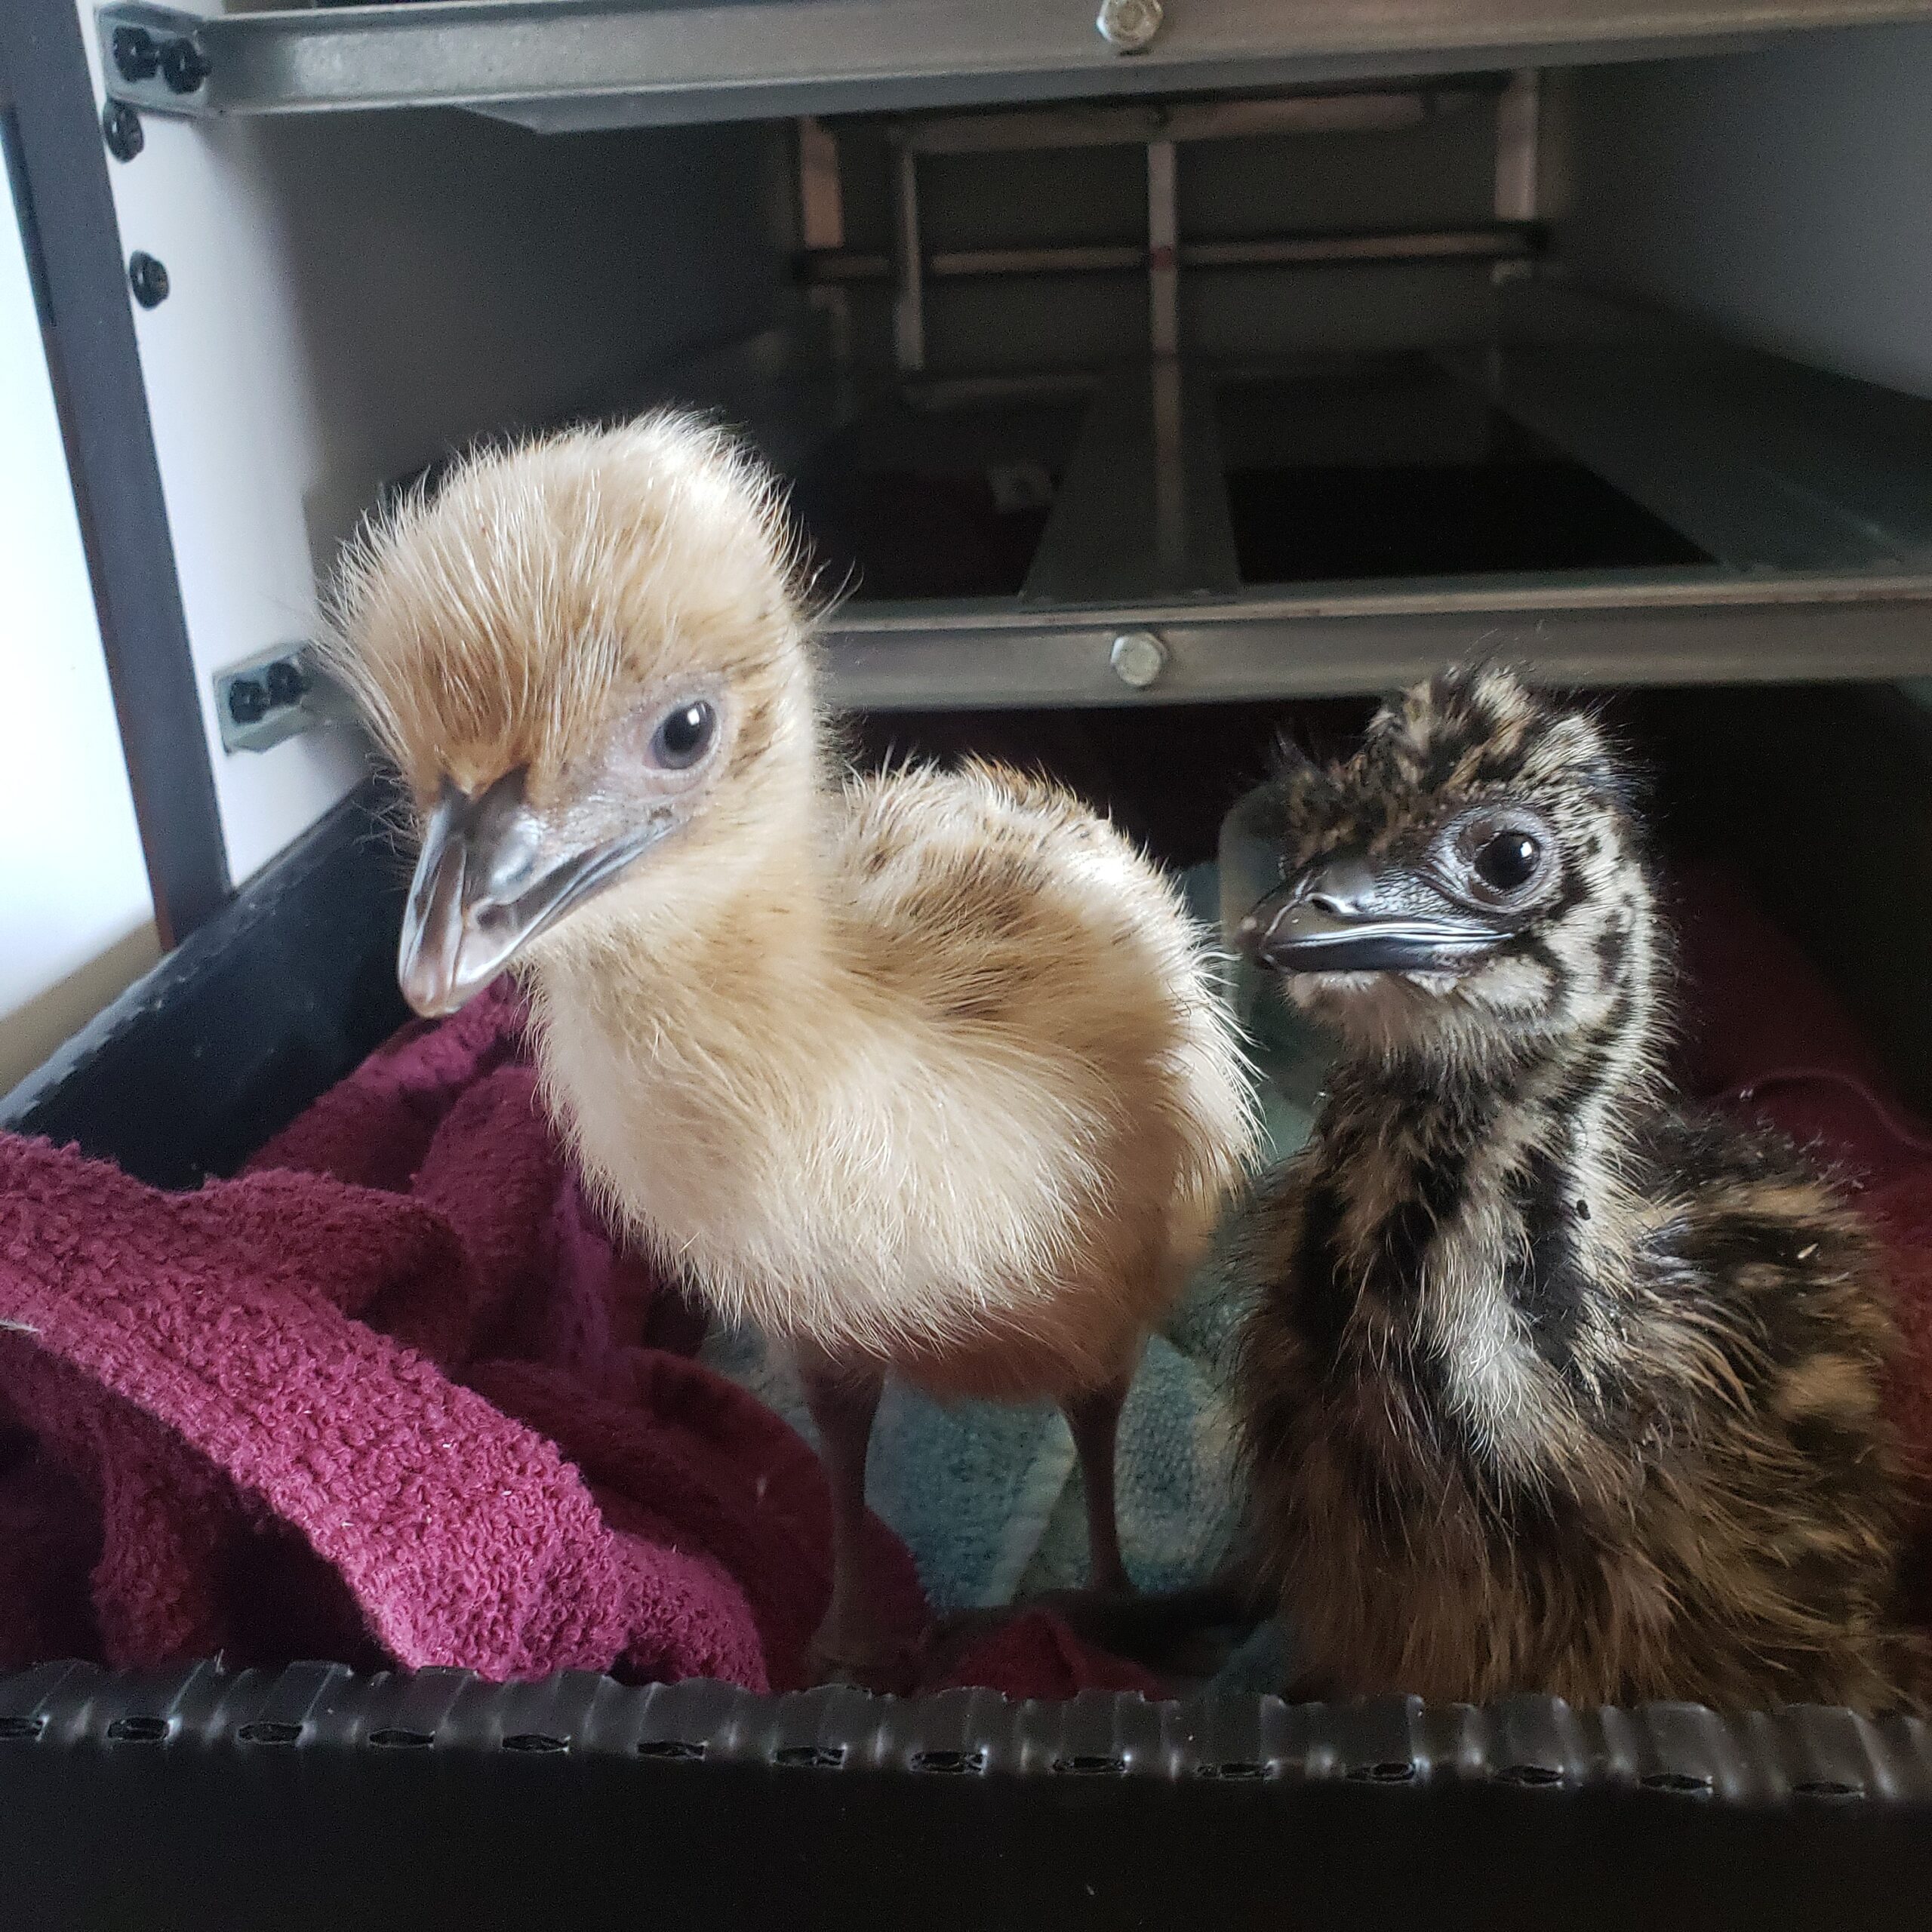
<point>925,1067</point>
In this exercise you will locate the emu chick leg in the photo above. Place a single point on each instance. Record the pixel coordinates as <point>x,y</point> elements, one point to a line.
<point>851,1645</point>
<point>1093,1416</point>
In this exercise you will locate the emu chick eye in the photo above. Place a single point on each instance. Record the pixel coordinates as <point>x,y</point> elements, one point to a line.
<point>1508,861</point>
<point>684,735</point>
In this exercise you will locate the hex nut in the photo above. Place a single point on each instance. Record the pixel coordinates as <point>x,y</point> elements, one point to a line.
<point>1128,26</point>
<point>1138,657</point>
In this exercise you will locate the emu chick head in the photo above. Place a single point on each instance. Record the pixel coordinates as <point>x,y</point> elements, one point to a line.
<point>1469,884</point>
<point>585,656</point>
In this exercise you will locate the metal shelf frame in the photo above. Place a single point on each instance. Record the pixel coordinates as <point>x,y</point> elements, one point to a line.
<point>559,65</point>
<point>1706,627</point>
<point>52,158</point>
<point>1813,494</point>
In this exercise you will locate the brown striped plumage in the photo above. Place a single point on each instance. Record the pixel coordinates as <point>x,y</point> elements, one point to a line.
<point>1553,1384</point>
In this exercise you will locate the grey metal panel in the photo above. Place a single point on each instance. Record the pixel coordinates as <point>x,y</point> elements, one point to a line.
<point>1677,628</point>
<point>52,156</point>
<point>559,64</point>
<point>782,383</point>
<point>1142,511</point>
<point>1759,462</point>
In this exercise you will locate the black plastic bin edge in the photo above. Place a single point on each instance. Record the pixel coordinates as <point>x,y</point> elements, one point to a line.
<point>207,1797</point>
<point>257,1012</point>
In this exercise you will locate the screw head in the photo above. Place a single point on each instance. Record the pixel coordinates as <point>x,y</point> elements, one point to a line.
<point>148,279</point>
<point>1138,658</point>
<point>1128,26</point>
<point>247,701</point>
<point>120,128</point>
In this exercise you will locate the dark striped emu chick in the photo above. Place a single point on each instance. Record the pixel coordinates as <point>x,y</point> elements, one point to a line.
<point>1553,1385</point>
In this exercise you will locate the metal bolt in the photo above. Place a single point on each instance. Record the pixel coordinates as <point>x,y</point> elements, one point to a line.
<point>247,701</point>
<point>148,279</point>
<point>1128,26</point>
<point>1138,658</point>
<point>183,65</point>
<point>137,53</point>
<point>120,128</point>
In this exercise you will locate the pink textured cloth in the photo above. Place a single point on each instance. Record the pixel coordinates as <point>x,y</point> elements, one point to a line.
<point>393,1394</point>
<point>1767,1039</point>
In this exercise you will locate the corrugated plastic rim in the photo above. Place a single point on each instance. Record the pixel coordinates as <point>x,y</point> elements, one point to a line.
<point>1801,1756</point>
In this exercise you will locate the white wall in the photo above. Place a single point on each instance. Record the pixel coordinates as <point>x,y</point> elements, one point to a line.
<point>351,293</point>
<point>1786,197</point>
<point>76,920</point>
<point>233,436</point>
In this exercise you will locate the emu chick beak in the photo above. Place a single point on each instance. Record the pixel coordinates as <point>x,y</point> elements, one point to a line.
<point>491,876</point>
<point>1342,916</point>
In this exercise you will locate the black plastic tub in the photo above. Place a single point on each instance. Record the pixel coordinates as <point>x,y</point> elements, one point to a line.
<point>313,1797</point>
<point>203,1798</point>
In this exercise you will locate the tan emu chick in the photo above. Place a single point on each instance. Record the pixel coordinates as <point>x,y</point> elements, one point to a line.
<point>925,1073</point>
<point>1552,1386</point>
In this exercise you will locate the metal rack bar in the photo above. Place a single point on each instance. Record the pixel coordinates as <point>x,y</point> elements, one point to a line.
<point>1315,250</point>
<point>1518,139</point>
<point>1163,251</point>
<point>559,65</point>
<point>822,225</point>
<point>1645,629</point>
<point>1496,244</point>
<point>821,189</point>
<point>909,303</point>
